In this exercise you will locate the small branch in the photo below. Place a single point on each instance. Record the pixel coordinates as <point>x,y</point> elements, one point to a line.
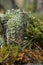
<point>38,47</point>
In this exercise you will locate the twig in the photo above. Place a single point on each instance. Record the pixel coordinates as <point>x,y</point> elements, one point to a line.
<point>38,47</point>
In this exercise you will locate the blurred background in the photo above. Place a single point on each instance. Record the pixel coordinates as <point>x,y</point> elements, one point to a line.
<point>29,5</point>
<point>33,6</point>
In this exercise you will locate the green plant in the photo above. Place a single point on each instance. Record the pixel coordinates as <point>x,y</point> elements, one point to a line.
<point>7,51</point>
<point>35,30</point>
